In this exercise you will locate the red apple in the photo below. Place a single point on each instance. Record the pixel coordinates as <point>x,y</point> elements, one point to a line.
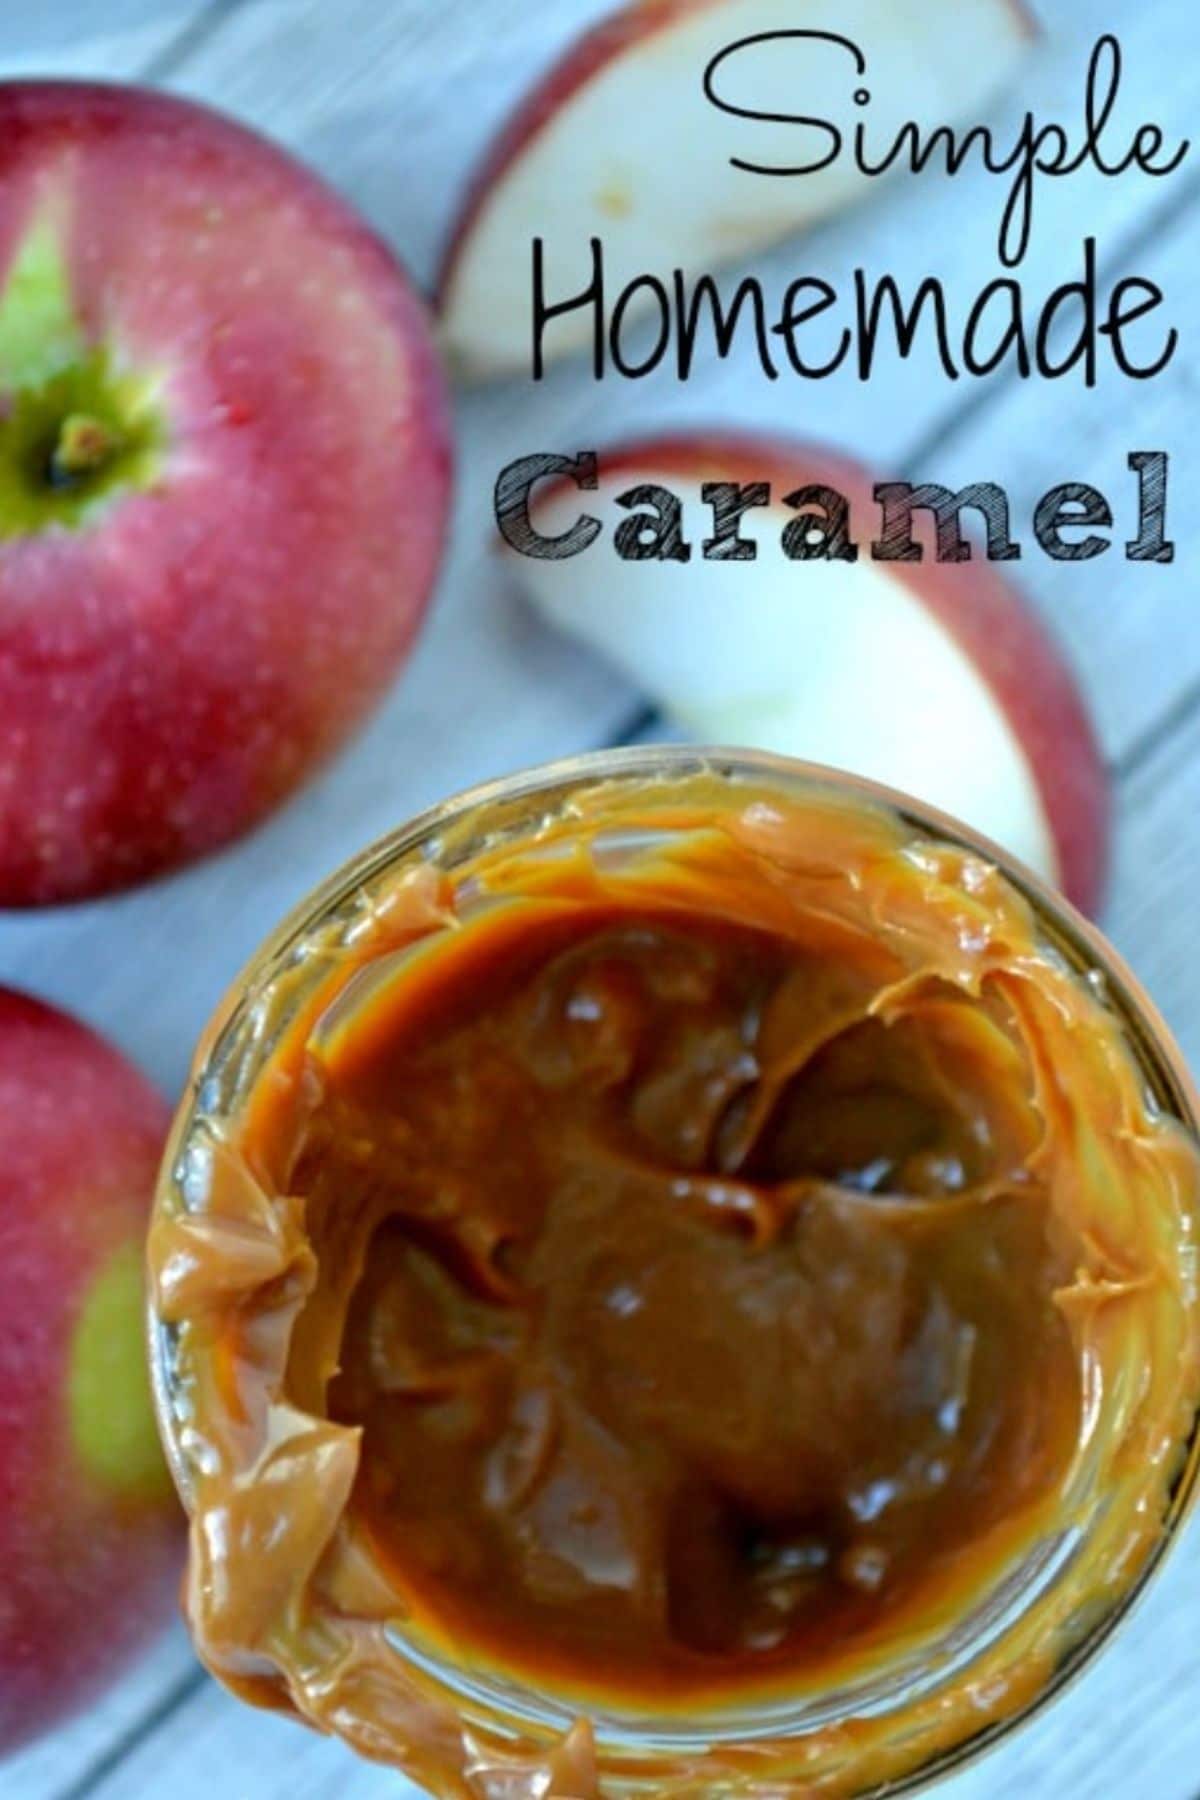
<point>934,678</point>
<point>619,141</point>
<point>91,1540</point>
<point>224,472</point>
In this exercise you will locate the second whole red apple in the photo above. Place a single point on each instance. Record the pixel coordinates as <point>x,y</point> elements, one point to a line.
<point>91,1533</point>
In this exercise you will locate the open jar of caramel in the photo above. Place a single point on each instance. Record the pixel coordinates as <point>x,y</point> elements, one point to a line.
<point>676,1275</point>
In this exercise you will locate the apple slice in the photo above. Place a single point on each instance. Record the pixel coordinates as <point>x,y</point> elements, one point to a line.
<point>619,141</point>
<point>934,678</point>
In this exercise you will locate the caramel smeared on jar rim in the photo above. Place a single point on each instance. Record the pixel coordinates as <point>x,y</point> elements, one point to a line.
<point>681,1260</point>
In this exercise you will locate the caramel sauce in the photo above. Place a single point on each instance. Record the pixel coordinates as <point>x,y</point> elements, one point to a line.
<point>701,1313</point>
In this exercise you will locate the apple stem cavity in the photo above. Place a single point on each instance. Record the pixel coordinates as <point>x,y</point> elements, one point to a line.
<point>85,444</point>
<point>75,428</point>
<point>74,441</point>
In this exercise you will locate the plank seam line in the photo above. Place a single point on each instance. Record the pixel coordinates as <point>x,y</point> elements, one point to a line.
<point>202,26</point>
<point>643,717</point>
<point>109,1761</point>
<point>1157,735</point>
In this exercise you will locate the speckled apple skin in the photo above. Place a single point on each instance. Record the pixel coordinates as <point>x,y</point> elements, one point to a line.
<point>87,1574</point>
<point>170,670</point>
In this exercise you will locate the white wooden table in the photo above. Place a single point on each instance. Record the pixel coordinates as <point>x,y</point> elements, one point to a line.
<point>392,100</point>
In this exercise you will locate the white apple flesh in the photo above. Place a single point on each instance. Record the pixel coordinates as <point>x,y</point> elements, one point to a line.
<point>619,141</point>
<point>933,678</point>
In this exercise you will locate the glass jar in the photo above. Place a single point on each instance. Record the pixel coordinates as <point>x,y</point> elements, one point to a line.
<point>896,1727</point>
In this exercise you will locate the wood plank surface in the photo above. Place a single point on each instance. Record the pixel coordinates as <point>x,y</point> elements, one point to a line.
<point>394,103</point>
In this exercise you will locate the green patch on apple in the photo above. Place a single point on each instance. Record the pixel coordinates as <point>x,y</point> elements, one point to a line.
<point>111,1413</point>
<point>77,429</point>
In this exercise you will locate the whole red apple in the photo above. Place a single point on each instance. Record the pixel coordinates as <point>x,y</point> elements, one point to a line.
<point>224,474</point>
<point>90,1532</point>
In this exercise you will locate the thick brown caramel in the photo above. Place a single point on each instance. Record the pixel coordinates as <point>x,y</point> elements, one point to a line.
<point>691,1257</point>
<point>711,1312</point>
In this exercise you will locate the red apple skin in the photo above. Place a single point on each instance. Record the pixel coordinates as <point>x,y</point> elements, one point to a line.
<point>177,664</point>
<point>1007,644</point>
<point>91,1564</point>
<point>609,38</point>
